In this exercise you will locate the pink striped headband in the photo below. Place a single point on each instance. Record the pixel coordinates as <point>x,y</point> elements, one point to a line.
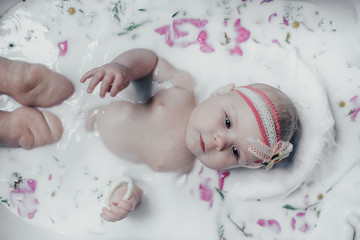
<point>270,149</point>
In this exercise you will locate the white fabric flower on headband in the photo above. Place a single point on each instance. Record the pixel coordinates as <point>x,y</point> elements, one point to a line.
<point>269,156</point>
<point>270,149</point>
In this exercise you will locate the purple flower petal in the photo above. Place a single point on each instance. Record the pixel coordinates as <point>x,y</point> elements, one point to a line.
<point>271,16</point>
<point>265,1</point>
<point>307,28</point>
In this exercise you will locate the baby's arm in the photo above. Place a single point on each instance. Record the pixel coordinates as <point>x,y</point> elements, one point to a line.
<point>132,65</point>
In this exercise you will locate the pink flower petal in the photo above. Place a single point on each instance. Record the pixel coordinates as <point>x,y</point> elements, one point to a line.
<point>300,214</point>
<point>261,222</point>
<point>293,222</point>
<point>198,22</point>
<point>354,114</point>
<point>304,228</point>
<point>285,21</point>
<point>236,50</point>
<point>194,21</point>
<point>271,223</point>
<point>306,200</point>
<point>276,42</point>
<point>206,193</point>
<point>201,170</point>
<point>204,47</point>
<point>222,176</point>
<point>354,99</point>
<point>237,23</point>
<point>243,35</point>
<point>32,185</point>
<point>165,30</point>
<point>274,225</point>
<point>24,200</point>
<point>173,28</point>
<point>63,47</point>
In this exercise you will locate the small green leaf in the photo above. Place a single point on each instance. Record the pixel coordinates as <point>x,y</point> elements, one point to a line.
<point>289,207</point>
<point>5,201</point>
<point>174,15</point>
<point>221,231</point>
<point>220,193</point>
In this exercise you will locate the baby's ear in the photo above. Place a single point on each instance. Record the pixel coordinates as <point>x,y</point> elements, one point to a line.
<point>223,90</point>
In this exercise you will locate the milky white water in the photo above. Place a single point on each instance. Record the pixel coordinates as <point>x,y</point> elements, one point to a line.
<point>64,186</point>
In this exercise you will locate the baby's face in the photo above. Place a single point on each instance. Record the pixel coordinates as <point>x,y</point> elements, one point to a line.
<point>218,129</point>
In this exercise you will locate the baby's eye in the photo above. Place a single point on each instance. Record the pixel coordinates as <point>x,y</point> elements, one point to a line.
<point>235,152</point>
<point>227,121</point>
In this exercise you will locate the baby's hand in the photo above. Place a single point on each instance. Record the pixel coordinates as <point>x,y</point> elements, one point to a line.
<point>120,208</point>
<point>115,77</point>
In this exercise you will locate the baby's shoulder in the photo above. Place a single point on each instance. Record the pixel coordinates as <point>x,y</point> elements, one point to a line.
<point>177,96</point>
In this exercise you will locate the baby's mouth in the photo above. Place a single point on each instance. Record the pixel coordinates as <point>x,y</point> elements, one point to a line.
<point>202,145</point>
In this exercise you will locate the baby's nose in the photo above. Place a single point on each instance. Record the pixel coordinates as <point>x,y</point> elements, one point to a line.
<point>220,141</point>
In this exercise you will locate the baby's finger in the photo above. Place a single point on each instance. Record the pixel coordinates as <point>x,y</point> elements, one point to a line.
<point>109,216</point>
<point>120,211</point>
<point>88,75</point>
<point>106,85</point>
<point>116,87</point>
<point>95,81</point>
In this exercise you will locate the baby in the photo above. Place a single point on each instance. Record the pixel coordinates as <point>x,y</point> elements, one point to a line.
<point>32,85</point>
<point>248,126</point>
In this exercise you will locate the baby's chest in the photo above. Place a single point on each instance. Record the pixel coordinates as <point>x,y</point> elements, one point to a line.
<point>168,152</point>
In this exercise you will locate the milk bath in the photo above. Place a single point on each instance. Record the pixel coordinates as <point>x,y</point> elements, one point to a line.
<point>72,177</point>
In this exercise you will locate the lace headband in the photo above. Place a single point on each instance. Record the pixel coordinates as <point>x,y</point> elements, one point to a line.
<point>270,149</point>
